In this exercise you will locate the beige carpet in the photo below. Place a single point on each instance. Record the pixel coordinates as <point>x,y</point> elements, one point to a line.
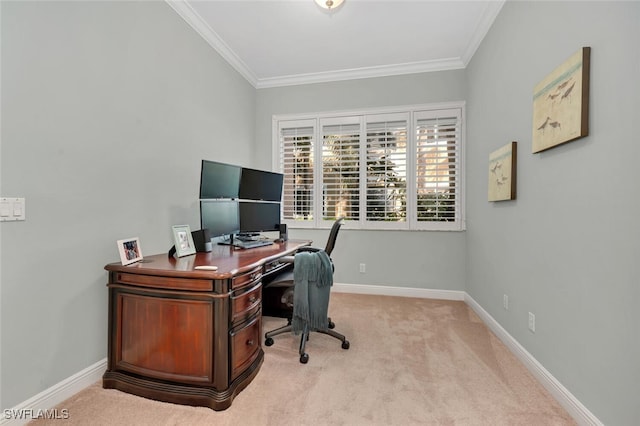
<point>411,362</point>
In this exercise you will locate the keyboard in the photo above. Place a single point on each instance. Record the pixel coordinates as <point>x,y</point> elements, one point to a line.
<point>252,244</point>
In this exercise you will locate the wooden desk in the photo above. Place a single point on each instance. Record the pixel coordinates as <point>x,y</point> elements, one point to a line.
<point>189,336</point>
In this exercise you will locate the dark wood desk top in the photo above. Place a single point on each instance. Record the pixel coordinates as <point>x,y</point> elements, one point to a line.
<point>230,261</point>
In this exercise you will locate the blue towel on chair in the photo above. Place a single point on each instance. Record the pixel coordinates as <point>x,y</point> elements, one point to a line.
<point>312,278</point>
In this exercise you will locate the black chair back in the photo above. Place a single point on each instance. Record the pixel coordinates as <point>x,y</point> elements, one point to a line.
<point>333,235</point>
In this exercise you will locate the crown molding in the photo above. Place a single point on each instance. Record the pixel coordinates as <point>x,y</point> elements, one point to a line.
<point>192,18</point>
<point>184,9</point>
<point>489,15</point>
<point>367,72</point>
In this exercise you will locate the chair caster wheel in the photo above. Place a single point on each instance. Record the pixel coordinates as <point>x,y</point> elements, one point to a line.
<point>332,324</point>
<point>304,358</point>
<point>268,341</point>
<point>345,344</point>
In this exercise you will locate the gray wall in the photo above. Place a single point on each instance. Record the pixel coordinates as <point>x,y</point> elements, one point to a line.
<point>433,260</point>
<point>107,110</point>
<point>567,248</point>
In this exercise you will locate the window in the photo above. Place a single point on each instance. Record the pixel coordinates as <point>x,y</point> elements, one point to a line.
<point>386,168</point>
<point>340,169</point>
<point>296,163</point>
<point>395,169</point>
<point>438,188</point>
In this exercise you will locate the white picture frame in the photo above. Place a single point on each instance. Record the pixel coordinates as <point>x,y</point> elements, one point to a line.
<point>130,251</point>
<point>183,240</point>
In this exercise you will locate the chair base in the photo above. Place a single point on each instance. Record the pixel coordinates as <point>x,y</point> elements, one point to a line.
<point>304,357</point>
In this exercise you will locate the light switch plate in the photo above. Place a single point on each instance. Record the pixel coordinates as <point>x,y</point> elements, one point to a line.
<point>12,209</point>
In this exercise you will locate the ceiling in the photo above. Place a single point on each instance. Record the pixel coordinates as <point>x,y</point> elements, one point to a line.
<point>277,43</point>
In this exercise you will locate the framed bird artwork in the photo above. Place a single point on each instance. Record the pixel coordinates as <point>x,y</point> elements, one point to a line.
<point>502,173</point>
<point>561,103</point>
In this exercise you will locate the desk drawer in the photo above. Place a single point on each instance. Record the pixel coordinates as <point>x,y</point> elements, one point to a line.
<point>246,278</point>
<point>246,303</point>
<point>165,283</point>
<point>245,345</point>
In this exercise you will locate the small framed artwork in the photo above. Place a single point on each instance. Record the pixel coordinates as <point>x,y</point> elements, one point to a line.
<point>561,103</point>
<point>502,173</point>
<point>183,240</point>
<point>129,250</point>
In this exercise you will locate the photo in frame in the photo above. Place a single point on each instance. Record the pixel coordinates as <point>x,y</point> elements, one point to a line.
<point>502,173</point>
<point>129,250</point>
<point>183,240</point>
<point>561,103</point>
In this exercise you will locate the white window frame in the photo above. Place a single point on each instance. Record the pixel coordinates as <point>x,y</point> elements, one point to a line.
<point>411,113</point>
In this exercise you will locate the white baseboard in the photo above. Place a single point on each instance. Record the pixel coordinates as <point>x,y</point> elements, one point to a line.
<point>56,394</point>
<point>576,410</point>
<point>565,398</point>
<point>421,293</point>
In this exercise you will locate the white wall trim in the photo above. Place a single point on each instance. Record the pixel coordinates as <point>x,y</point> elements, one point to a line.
<point>196,22</point>
<point>379,290</point>
<point>574,407</point>
<point>364,72</point>
<point>579,412</point>
<point>184,9</point>
<point>54,395</point>
<point>489,15</point>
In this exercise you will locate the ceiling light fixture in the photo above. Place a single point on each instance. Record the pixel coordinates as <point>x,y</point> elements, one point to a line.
<point>329,4</point>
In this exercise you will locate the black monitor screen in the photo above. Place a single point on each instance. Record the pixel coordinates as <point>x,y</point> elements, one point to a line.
<point>219,217</point>
<point>259,217</point>
<point>260,185</point>
<point>219,180</point>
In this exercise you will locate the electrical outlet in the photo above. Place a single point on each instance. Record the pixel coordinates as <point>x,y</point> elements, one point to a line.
<point>532,322</point>
<point>363,268</point>
<point>505,302</point>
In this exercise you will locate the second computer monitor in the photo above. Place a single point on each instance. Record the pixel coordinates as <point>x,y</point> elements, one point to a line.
<point>260,185</point>
<point>258,217</point>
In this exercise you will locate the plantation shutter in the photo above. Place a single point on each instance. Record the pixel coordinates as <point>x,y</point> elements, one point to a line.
<point>386,171</point>
<point>386,168</point>
<point>341,169</point>
<point>296,160</point>
<point>438,165</point>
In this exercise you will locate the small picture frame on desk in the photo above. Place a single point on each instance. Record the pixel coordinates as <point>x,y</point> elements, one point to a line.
<point>129,250</point>
<point>183,240</point>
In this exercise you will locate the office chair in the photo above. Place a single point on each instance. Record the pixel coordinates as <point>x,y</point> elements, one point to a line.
<point>285,280</point>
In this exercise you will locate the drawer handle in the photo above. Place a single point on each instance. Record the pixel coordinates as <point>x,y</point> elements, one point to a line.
<point>254,276</point>
<point>253,299</point>
<point>250,342</point>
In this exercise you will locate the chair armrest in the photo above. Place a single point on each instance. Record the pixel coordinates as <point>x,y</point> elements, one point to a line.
<point>315,250</point>
<point>309,249</point>
<point>291,259</point>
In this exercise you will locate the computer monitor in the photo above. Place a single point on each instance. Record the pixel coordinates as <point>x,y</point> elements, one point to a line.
<point>220,217</point>
<point>260,185</point>
<point>219,180</point>
<point>256,217</point>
